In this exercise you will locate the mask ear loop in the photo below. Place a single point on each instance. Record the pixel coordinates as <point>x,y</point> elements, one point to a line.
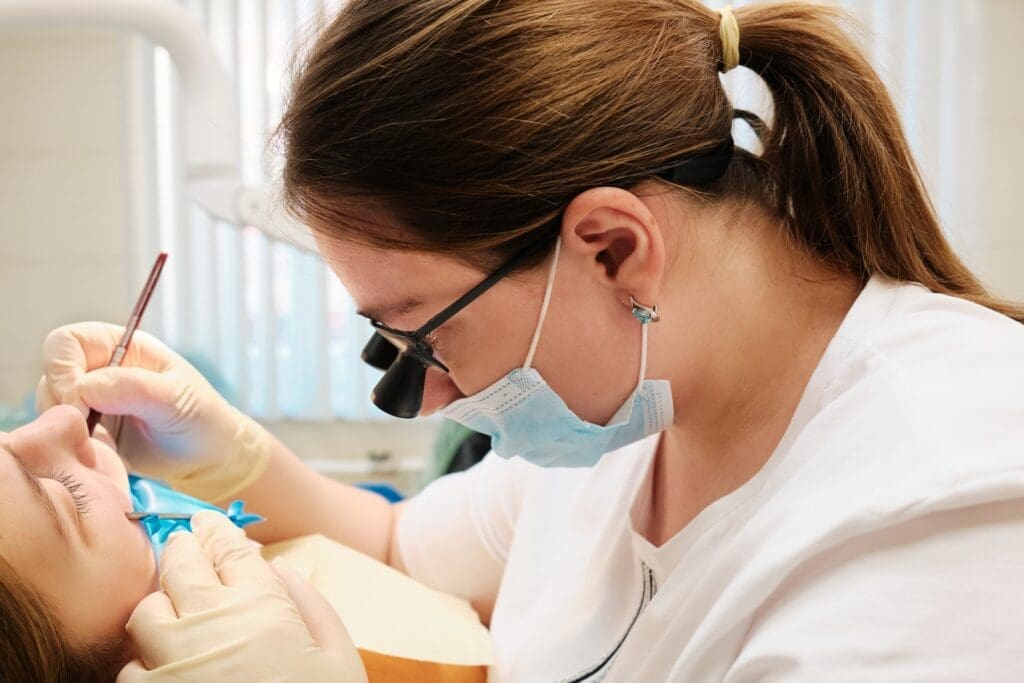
<point>644,320</point>
<point>543,306</point>
<point>646,315</point>
<point>643,356</point>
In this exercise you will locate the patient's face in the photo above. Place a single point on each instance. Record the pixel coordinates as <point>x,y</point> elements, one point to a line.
<point>54,477</point>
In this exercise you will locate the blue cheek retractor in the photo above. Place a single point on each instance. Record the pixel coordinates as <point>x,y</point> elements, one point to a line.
<point>152,495</point>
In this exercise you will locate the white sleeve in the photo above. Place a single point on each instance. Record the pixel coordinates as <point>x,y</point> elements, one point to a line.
<point>455,535</point>
<point>935,599</point>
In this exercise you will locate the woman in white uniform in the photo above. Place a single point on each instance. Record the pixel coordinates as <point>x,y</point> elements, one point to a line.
<point>753,418</point>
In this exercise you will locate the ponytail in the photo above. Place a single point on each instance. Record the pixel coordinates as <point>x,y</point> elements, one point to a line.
<point>841,169</point>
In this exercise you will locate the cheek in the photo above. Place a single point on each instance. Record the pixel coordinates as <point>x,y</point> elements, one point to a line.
<point>96,588</point>
<point>112,535</point>
<point>108,530</point>
<point>124,571</point>
<point>116,542</point>
<point>108,590</point>
<point>479,359</point>
<point>110,466</point>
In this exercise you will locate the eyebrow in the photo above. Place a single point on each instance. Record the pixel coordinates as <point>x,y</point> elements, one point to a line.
<point>380,313</point>
<point>40,494</point>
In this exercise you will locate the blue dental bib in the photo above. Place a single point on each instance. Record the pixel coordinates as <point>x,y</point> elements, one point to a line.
<point>152,495</point>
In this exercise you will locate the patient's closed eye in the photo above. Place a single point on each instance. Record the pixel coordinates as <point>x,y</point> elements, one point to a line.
<point>74,487</point>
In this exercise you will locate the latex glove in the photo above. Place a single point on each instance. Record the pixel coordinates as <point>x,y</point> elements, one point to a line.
<point>226,615</point>
<point>177,427</point>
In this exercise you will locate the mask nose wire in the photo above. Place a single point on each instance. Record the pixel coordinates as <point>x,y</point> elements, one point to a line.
<point>544,305</point>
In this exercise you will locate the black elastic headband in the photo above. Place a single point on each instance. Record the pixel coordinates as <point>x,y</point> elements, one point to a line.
<point>710,165</point>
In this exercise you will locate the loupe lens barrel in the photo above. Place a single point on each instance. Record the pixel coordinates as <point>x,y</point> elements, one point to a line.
<point>400,391</point>
<point>379,352</point>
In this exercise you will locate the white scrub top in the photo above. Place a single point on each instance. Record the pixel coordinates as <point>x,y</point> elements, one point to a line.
<point>882,541</point>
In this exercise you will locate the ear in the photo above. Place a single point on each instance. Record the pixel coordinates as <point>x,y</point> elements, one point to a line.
<point>614,235</point>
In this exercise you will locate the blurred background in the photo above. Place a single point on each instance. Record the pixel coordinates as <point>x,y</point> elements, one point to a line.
<point>97,172</point>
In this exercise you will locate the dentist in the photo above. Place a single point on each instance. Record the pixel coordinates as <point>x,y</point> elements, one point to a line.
<point>753,419</point>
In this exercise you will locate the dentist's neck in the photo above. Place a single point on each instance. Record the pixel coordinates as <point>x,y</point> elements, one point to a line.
<point>745,321</point>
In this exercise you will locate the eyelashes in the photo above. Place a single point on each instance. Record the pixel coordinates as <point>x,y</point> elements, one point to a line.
<point>74,487</point>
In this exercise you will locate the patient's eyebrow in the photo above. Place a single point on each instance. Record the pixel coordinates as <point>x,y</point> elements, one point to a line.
<point>40,494</point>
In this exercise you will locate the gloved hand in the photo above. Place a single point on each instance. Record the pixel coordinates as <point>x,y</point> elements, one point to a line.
<point>176,426</point>
<point>226,615</point>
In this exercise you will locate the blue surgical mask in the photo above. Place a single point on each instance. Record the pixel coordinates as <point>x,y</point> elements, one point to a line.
<point>524,416</point>
<point>151,495</point>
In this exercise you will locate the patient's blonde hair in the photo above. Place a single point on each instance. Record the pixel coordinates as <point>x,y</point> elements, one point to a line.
<point>473,123</point>
<point>34,647</point>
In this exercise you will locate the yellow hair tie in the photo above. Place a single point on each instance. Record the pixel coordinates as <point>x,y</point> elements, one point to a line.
<point>729,31</point>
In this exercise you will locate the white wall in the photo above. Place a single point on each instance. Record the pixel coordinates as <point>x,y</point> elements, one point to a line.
<point>999,137</point>
<point>74,243</point>
<point>954,70</point>
<point>65,238</point>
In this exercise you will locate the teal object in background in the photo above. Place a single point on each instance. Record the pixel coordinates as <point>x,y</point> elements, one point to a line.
<point>455,448</point>
<point>449,436</point>
<point>12,417</point>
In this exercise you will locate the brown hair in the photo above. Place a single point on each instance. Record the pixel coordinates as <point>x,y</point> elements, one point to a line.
<point>473,123</point>
<point>34,648</point>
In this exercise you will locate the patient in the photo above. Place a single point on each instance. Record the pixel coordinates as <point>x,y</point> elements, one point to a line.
<point>72,566</point>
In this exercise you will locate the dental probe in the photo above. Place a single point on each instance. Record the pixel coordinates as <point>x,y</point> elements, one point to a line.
<point>129,330</point>
<point>162,515</point>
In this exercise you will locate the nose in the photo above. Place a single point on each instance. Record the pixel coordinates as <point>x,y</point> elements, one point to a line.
<point>438,391</point>
<point>58,434</point>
